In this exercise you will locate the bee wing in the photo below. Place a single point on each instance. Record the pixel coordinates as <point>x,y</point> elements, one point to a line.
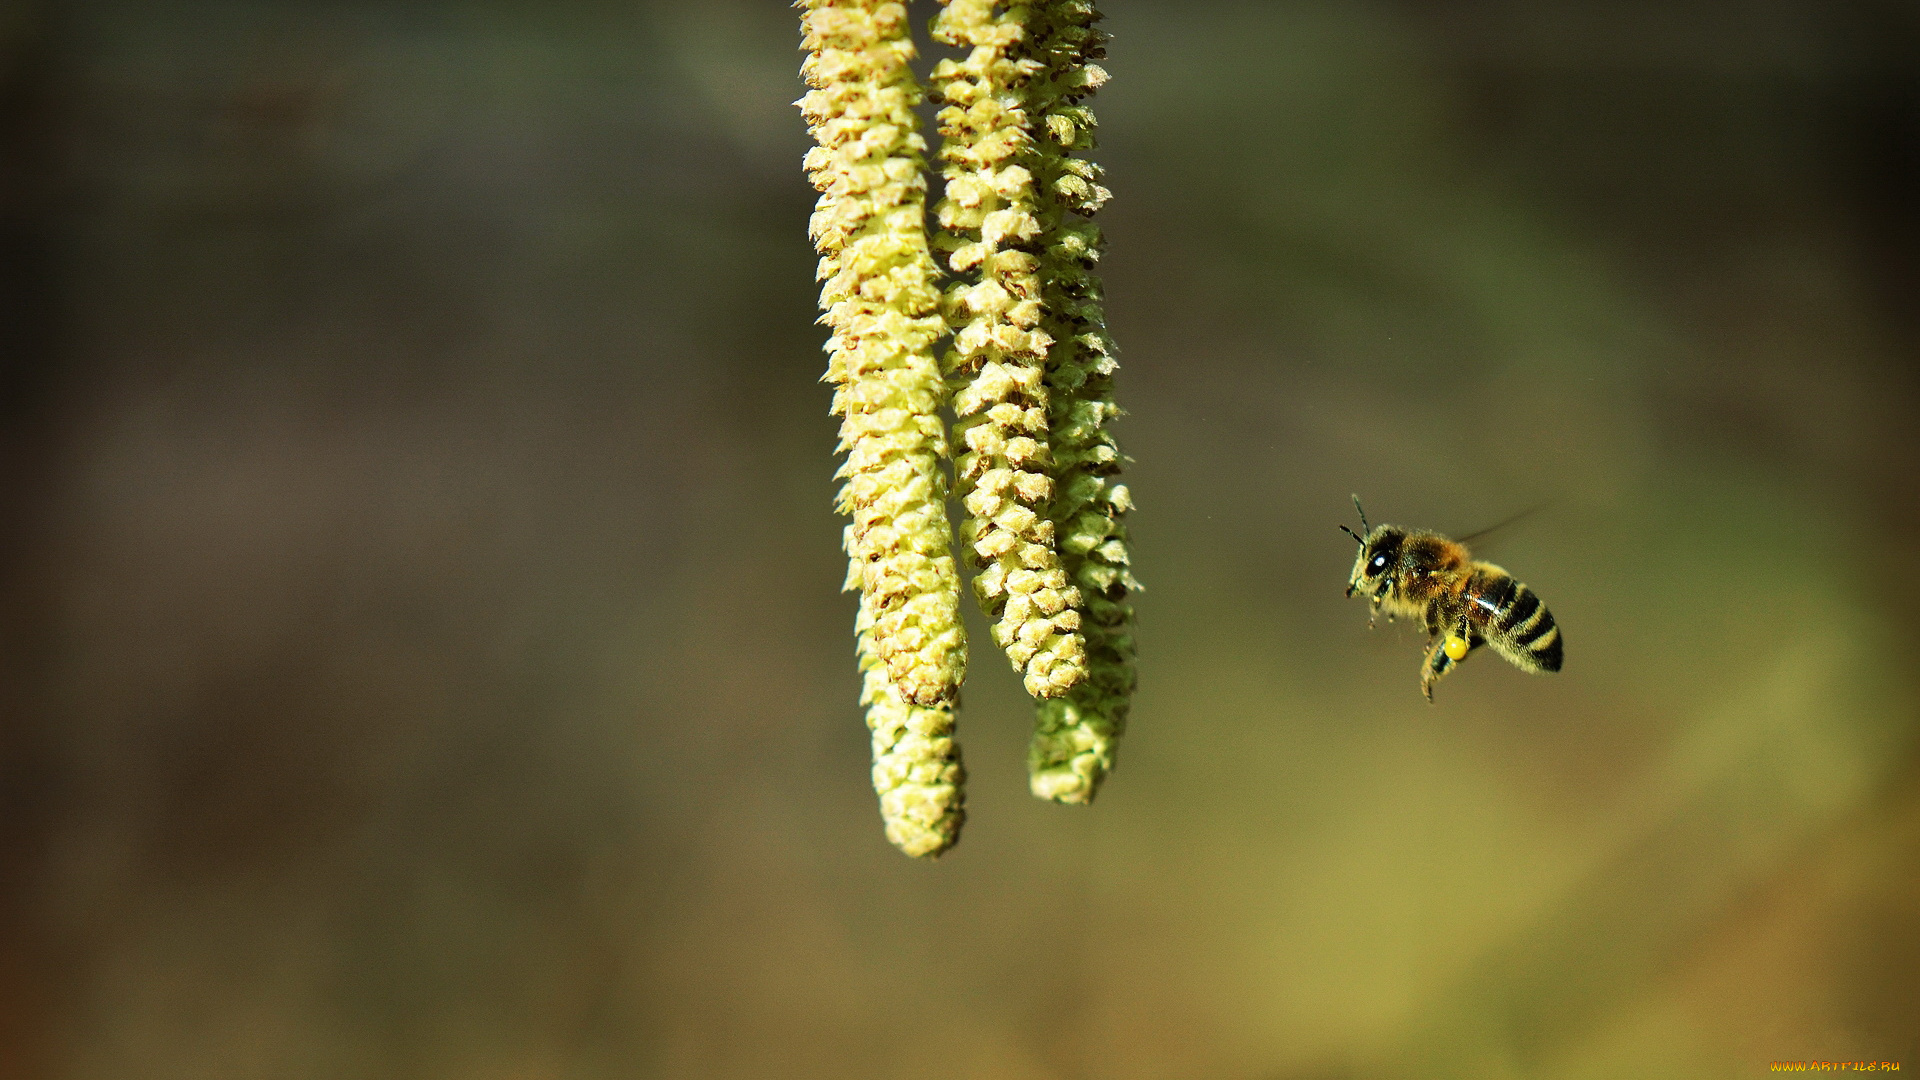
<point>1515,519</point>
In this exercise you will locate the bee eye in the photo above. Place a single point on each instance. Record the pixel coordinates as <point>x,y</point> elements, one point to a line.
<point>1379,563</point>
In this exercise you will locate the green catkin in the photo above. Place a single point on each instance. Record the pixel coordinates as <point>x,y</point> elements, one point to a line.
<point>991,234</point>
<point>1075,737</point>
<point>882,304</point>
<point>916,764</point>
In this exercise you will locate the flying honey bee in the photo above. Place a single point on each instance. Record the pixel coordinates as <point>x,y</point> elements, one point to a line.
<point>1465,604</point>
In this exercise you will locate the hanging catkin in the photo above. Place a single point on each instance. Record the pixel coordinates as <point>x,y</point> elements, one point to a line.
<point>882,304</point>
<point>991,235</point>
<point>1075,736</point>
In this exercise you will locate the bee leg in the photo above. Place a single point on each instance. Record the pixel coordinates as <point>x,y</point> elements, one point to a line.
<point>1435,665</point>
<point>1444,650</point>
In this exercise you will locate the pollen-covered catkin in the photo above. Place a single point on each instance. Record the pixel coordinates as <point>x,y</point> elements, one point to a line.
<point>916,763</point>
<point>991,235</point>
<point>1075,737</point>
<point>882,304</point>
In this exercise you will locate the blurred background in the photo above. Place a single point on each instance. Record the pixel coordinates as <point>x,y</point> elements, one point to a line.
<point>420,640</point>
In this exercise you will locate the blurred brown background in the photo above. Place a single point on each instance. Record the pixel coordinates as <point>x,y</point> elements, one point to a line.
<point>420,643</point>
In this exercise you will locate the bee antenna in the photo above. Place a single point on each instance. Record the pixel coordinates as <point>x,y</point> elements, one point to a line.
<point>1363,515</point>
<point>1357,538</point>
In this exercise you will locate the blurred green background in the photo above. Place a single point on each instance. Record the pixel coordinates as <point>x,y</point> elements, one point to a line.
<point>420,643</point>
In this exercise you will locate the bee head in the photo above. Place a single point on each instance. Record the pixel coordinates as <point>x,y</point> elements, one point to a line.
<point>1379,553</point>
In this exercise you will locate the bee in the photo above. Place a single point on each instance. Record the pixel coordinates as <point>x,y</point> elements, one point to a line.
<point>1465,604</point>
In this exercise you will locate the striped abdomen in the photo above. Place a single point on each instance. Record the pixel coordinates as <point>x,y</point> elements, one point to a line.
<point>1512,619</point>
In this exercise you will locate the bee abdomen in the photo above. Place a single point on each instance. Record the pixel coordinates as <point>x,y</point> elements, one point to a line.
<point>1524,631</point>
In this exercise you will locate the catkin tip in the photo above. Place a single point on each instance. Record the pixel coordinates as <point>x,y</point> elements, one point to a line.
<point>1074,745</point>
<point>917,771</point>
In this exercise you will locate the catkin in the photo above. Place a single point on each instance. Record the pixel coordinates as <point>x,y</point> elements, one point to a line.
<point>883,306</point>
<point>991,236</point>
<point>1075,737</point>
<point>916,763</point>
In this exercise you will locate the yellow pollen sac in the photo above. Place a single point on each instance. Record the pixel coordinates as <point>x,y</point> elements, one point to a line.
<point>1455,647</point>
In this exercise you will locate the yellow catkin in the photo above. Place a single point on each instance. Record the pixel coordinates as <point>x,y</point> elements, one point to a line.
<point>1075,737</point>
<point>882,304</point>
<point>916,763</point>
<point>991,235</point>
